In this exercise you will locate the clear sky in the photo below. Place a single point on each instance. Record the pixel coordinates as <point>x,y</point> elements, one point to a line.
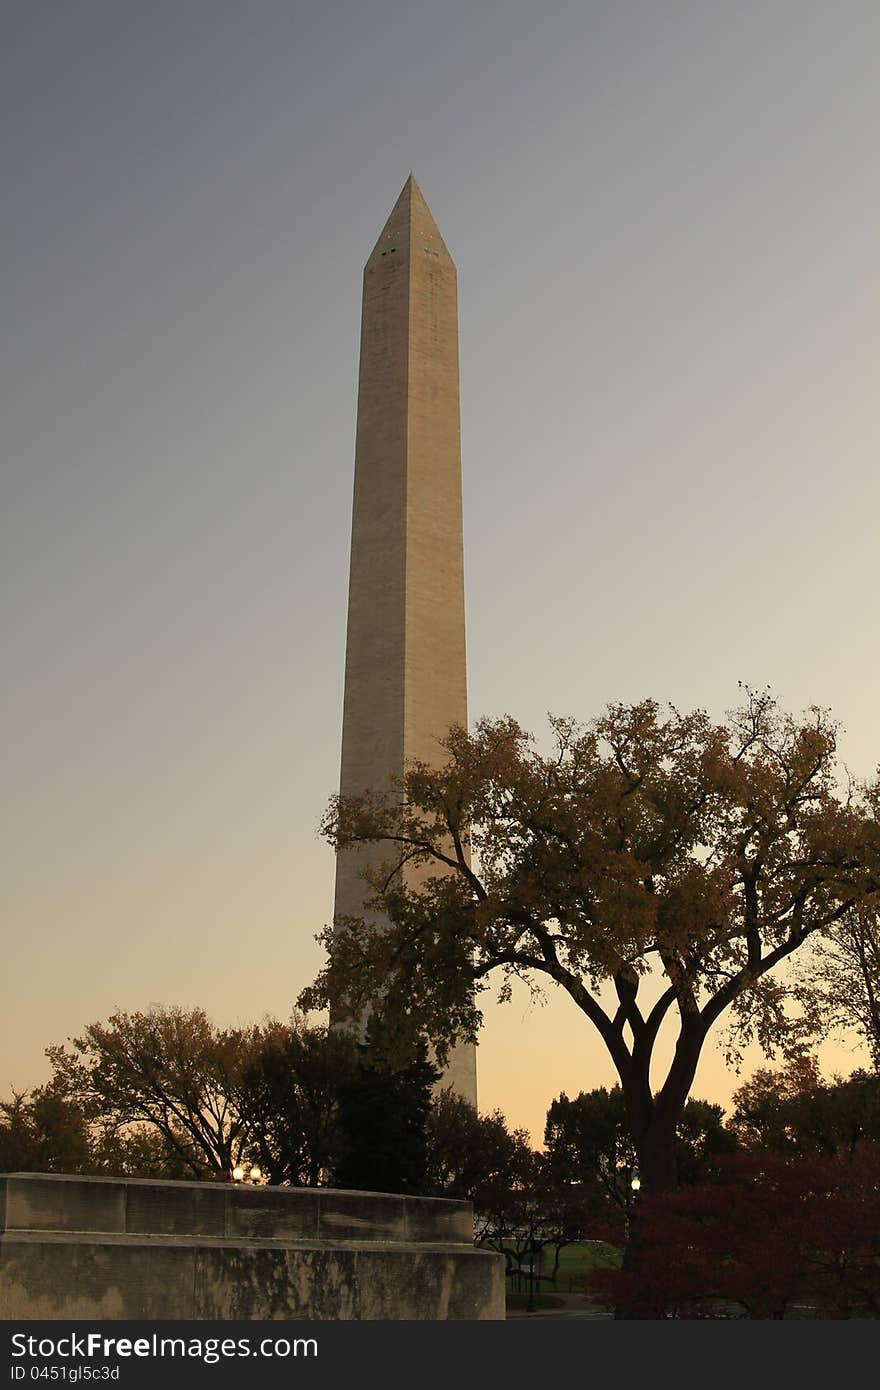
<point>665,218</point>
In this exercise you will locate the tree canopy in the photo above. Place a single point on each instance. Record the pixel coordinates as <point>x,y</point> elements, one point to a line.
<point>844,974</point>
<point>168,1093</point>
<point>588,1139</point>
<point>474,1156</point>
<point>794,1112</point>
<point>289,1098</point>
<point>382,1124</point>
<point>44,1132</point>
<point>166,1071</point>
<point>647,845</point>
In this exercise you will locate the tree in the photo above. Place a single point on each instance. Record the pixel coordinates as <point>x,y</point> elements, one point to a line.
<point>588,1140</point>
<point>522,1204</point>
<point>761,1104</point>
<point>290,1097</point>
<point>710,853</point>
<point>845,974</point>
<point>473,1156</point>
<point>537,1212</point>
<point>43,1132</point>
<point>169,1094</point>
<point>382,1123</point>
<point>700,1137</point>
<point>793,1111</point>
<point>46,1131</point>
<point>168,1072</point>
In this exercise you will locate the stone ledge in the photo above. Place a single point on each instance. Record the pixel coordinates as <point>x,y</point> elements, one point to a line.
<point>149,1238</point>
<point>58,1202</point>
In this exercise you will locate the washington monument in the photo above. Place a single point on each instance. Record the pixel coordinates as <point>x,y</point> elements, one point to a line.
<point>405,674</point>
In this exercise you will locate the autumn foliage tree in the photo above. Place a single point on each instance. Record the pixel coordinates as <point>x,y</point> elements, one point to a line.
<point>763,1104</point>
<point>657,867</point>
<point>169,1094</point>
<point>167,1074</point>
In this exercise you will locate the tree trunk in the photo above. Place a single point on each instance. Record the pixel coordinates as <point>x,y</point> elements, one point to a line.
<point>653,1134</point>
<point>657,1163</point>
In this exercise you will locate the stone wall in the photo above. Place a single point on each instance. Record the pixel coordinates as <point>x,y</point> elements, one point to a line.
<point>121,1248</point>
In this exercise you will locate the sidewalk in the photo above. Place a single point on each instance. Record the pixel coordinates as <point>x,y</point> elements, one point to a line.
<point>572,1305</point>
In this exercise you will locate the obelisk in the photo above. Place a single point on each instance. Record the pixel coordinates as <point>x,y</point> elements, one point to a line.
<point>405,674</point>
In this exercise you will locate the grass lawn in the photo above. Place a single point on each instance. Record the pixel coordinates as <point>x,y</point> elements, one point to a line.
<point>574,1260</point>
<point>584,1256</point>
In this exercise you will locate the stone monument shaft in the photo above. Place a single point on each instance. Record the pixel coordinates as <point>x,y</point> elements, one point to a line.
<point>405,671</point>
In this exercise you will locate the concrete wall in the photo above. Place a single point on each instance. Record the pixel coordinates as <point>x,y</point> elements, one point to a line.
<point>109,1248</point>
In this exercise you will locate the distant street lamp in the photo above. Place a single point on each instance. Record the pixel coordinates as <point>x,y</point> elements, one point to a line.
<point>635,1184</point>
<point>252,1175</point>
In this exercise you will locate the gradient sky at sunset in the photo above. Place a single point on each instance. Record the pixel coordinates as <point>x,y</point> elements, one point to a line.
<point>665,218</point>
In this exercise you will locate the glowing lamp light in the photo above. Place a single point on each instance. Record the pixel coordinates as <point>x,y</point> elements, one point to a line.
<point>636,1183</point>
<point>237,1174</point>
<point>256,1173</point>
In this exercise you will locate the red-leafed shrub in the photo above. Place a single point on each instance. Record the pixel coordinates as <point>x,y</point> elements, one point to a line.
<point>764,1237</point>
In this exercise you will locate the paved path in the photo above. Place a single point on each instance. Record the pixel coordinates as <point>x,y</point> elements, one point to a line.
<point>573,1305</point>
